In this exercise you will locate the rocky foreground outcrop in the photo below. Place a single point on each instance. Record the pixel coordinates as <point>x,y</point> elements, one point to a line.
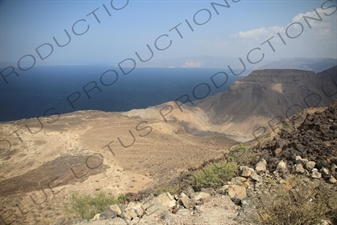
<point>312,145</point>
<point>300,160</point>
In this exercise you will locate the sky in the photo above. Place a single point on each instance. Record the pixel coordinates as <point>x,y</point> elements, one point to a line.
<point>117,29</point>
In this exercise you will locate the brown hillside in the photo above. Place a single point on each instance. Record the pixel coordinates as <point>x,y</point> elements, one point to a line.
<point>253,101</point>
<point>70,155</point>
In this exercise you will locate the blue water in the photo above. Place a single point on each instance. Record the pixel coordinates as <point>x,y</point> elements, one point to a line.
<point>41,88</point>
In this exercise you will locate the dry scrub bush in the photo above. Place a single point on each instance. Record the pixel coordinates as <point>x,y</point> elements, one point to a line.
<point>300,205</point>
<point>244,155</point>
<point>172,189</point>
<point>87,206</point>
<point>215,175</point>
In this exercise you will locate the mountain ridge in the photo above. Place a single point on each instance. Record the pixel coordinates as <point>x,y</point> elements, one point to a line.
<point>266,94</point>
<point>312,64</point>
<point>253,101</point>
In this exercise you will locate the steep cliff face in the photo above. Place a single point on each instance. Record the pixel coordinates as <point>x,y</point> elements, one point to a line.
<point>266,94</point>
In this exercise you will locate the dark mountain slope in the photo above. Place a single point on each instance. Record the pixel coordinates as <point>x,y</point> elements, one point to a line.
<point>265,94</point>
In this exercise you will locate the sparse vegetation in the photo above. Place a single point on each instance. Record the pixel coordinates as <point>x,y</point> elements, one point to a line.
<point>87,206</point>
<point>215,175</point>
<point>172,189</point>
<point>270,180</point>
<point>240,147</point>
<point>243,155</point>
<point>300,205</point>
<point>285,125</point>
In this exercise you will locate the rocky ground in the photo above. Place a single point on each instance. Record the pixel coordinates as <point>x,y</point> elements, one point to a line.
<point>286,180</point>
<point>42,168</point>
<point>312,143</point>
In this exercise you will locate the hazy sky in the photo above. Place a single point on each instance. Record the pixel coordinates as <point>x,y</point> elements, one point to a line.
<point>132,25</point>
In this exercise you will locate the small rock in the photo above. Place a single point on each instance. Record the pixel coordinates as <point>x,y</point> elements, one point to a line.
<point>184,212</point>
<point>333,168</point>
<point>166,216</point>
<point>188,191</point>
<point>332,180</point>
<point>222,190</point>
<point>129,214</point>
<point>182,194</point>
<point>325,171</point>
<point>299,168</point>
<point>208,190</point>
<point>147,204</point>
<point>281,181</point>
<point>186,202</point>
<point>133,222</point>
<point>257,186</point>
<point>238,180</point>
<point>256,177</point>
<point>278,152</point>
<point>199,208</point>
<point>245,202</point>
<point>298,159</point>
<point>325,222</point>
<point>199,195</point>
<point>261,165</point>
<point>310,165</point>
<point>282,167</point>
<point>281,143</point>
<point>305,161</point>
<point>156,209</point>
<point>246,171</point>
<point>236,192</point>
<point>96,217</point>
<point>108,214</point>
<point>316,174</point>
<point>166,200</point>
<point>139,209</point>
<point>116,209</point>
